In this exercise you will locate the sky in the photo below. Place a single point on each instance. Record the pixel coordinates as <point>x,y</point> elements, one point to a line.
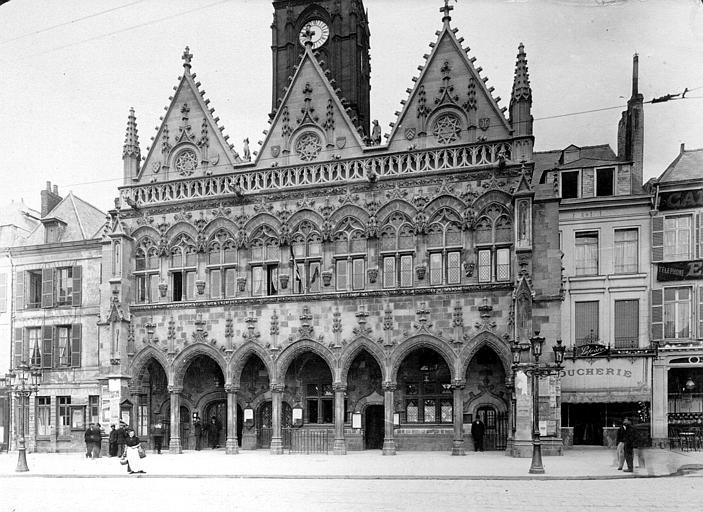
<point>71,69</point>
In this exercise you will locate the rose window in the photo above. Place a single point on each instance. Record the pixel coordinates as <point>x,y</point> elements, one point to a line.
<point>186,162</point>
<point>447,129</point>
<point>308,146</point>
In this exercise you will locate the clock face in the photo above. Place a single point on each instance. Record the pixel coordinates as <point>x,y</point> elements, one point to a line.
<point>319,32</point>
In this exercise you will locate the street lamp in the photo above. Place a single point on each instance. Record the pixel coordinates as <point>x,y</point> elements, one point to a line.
<point>537,371</point>
<point>23,382</point>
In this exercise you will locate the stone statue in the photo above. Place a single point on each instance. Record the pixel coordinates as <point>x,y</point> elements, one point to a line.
<point>247,153</point>
<point>375,133</point>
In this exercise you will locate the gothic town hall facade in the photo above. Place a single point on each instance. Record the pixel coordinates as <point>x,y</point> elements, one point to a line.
<point>334,289</point>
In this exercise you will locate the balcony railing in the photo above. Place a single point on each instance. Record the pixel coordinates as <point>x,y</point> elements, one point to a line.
<point>330,172</point>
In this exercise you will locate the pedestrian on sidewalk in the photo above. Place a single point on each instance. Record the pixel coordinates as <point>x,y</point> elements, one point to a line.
<point>158,435</point>
<point>88,438</point>
<point>134,459</point>
<point>97,440</point>
<point>213,433</point>
<point>629,438</point>
<point>197,432</point>
<point>478,429</point>
<point>121,438</point>
<point>620,447</point>
<point>112,442</point>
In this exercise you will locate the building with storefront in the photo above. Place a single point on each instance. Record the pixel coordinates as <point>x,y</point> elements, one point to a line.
<point>604,219</point>
<point>677,297</point>
<point>334,290</point>
<point>55,301</point>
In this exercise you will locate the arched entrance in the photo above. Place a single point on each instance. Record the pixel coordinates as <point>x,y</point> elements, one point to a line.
<point>152,400</point>
<point>217,429</point>
<point>365,395</point>
<point>254,387</point>
<point>486,396</point>
<point>373,427</point>
<point>264,421</point>
<point>203,390</point>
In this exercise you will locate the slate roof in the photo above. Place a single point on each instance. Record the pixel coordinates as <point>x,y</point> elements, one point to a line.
<point>82,221</point>
<point>688,165</point>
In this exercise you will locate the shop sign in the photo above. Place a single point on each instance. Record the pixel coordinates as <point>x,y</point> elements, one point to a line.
<point>590,350</point>
<point>602,374</point>
<point>682,199</point>
<point>680,270</point>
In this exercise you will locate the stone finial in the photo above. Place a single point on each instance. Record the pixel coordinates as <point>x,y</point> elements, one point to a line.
<point>131,139</point>
<point>187,57</point>
<point>521,82</point>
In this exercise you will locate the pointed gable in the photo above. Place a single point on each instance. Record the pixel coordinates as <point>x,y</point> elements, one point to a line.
<point>189,141</point>
<point>311,124</point>
<point>450,103</point>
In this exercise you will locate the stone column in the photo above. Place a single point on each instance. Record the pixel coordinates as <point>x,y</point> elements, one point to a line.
<point>276,439</point>
<point>340,446</point>
<point>231,447</point>
<point>174,445</point>
<point>388,441</point>
<point>458,409</point>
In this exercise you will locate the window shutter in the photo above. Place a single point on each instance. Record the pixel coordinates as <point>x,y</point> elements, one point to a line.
<point>700,312</point>
<point>699,234</point>
<point>76,345</point>
<point>19,290</point>
<point>657,239</point>
<point>77,278</point>
<point>19,346</point>
<point>47,346</point>
<point>657,314</point>
<point>47,288</point>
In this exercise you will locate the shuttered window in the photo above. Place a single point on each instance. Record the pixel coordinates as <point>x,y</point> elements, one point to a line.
<point>586,321</point>
<point>627,323</point>
<point>677,237</point>
<point>677,312</point>
<point>587,253</point>
<point>626,251</point>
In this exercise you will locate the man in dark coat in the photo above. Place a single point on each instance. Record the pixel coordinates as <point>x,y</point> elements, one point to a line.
<point>121,438</point>
<point>477,431</point>
<point>112,442</point>
<point>88,438</point>
<point>157,433</point>
<point>197,432</point>
<point>629,439</point>
<point>97,440</point>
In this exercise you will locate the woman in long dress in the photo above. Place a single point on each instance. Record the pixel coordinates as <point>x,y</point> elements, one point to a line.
<point>134,463</point>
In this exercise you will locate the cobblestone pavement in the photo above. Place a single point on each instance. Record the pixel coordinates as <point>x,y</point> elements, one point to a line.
<point>272,495</point>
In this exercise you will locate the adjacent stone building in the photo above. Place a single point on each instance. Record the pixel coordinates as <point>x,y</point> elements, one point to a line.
<point>334,290</point>
<point>677,297</point>
<point>604,222</point>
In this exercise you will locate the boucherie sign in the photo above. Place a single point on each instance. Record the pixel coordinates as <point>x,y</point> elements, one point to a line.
<point>682,199</point>
<point>596,374</point>
<point>680,270</point>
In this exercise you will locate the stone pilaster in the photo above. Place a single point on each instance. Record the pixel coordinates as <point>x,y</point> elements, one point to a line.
<point>388,440</point>
<point>458,409</point>
<point>174,445</point>
<point>231,445</point>
<point>340,447</point>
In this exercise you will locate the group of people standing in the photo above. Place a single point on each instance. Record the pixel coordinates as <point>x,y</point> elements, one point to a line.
<point>93,441</point>
<point>211,431</point>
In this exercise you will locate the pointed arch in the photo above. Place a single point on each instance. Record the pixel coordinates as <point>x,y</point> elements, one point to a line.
<point>493,196</point>
<point>144,356</point>
<point>354,349</point>
<point>305,214</point>
<point>450,203</point>
<point>180,228</point>
<point>145,232</point>
<point>349,210</point>
<point>394,206</point>
<point>261,219</point>
<point>485,339</point>
<point>413,343</point>
<point>242,355</point>
<point>220,223</point>
<point>299,347</point>
<point>182,362</point>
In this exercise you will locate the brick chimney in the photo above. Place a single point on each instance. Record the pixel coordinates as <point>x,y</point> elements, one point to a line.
<point>631,131</point>
<point>49,199</point>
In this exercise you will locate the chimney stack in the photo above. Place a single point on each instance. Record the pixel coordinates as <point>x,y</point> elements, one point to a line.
<point>631,131</point>
<point>49,199</point>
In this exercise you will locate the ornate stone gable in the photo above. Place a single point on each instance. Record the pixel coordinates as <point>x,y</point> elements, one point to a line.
<point>312,123</point>
<point>189,142</point>
<point>450,103</point>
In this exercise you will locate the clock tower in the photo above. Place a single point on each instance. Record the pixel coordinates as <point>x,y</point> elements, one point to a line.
<point>339,32</point>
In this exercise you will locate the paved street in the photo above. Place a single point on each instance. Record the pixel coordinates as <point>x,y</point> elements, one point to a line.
<point>270,495</point>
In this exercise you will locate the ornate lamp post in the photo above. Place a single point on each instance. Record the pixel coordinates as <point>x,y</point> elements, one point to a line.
<point>23,382</point>
<point>537,371</point>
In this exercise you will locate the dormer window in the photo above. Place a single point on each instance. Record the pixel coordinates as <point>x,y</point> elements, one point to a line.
<point>605,182</point>
<point>569,184</point>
